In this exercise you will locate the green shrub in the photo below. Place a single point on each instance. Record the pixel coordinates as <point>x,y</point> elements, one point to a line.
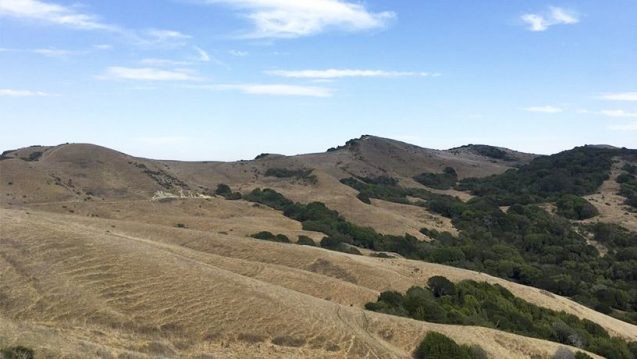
<point>444,180</point>
<point>574,207</point>
<point>225,191</point>
<point>306,241</point>
<point>265,235</point>
<point>439,346</point>
<point>16,352</point>
<point>300,174</point>
<point>493,306</point>
<point>441,286</point>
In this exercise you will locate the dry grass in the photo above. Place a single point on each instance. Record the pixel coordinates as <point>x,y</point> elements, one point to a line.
<point>76,284</point>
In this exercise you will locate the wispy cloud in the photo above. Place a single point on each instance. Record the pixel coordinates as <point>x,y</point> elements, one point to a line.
<point>147,74</point>
<point>52,13</point>
<point>632,126</point>
<point>294,18</point>
<point>21,93</point>
<point>343,73</point>
<point>618,113</point>
<point>554,16</point>
<point>238,53</point>
<point>273,89</point>
<point>55,14</point>
<point>202,55</point>
<point>544,109</point>
<point>56,52</point>
<point>619,96</point>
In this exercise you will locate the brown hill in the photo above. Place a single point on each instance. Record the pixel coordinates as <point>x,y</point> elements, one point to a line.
<point>104,254</point>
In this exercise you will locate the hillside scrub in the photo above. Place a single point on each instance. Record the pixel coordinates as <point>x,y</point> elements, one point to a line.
<point>526,245</point>
<point>574,207</point>
<point>579,171</point>
<point>267,236</point>
<point>299,174</point>
<point>444,180</point>
<point>16,352</point>
<point>439,346</point>
<point>482,304</point>
<point>628,185</point>
<point>225,191</point>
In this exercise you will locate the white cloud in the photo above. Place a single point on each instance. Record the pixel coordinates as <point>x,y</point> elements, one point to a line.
<point>55,52</point>
<point>147,74</point>
<point>295,18</point>
<point>202,55</point>
<point>238,53</point>
<point>338,73</point>
<point>55,14</point>
<point>103,47</point>
<point>555,16</point>
<point>624,127</point>
<point>51,13</point>
<point>274,89</point>
<point>620,96</point>
<point>618,113</point>
<point>21,93</point>
<point>544,109</point>
<point>164,62</point>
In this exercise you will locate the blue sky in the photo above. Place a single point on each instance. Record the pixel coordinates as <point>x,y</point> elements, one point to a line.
<point>229,79</point>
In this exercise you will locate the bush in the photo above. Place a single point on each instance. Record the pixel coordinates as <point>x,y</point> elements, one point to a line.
<point>441,286</point>
<point>300,174</point>
<point>493,306</point>
<point>17,352</point>
<point>439,346</point>
<point>306,241</point>
<point>267,236</point>
<point>444,180</point>
<point>225,191</point>
<point>574,207</point>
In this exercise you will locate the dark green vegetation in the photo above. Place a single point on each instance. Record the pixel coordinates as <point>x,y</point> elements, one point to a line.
<point>17,352</point>
<point>488,151</point>
<point>444,180</point>
<point>574,207</point>
<point>579,171</point>
<point>267,236</point>
<point>493,306</point>
<point>299,174</point>
<point>224,191</point>
<point>439,346</point>
<point>306,241</point>
<point>341,234</point>
<point>526,244</point>
<point>628,184</point>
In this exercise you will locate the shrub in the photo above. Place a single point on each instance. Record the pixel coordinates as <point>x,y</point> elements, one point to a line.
<point>268,236</point>
<point>493,306</point>
<point>306,241</point>
<point>574,207</point>
<point>265,235</point>
<point>180,225</point>
<point>444,180</point>
<point>441,286</point>
<point>299,174</point>
<point>17,352</point>
<point>439,346</point>
<point>225,191</point>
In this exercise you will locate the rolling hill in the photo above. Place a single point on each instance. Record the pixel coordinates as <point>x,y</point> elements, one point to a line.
<point>103,254</point>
